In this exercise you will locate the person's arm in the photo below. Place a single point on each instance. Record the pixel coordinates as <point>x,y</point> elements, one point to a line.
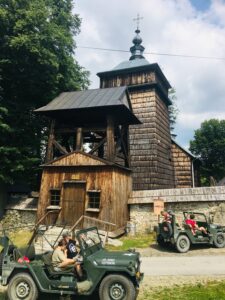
<point>66,262</point>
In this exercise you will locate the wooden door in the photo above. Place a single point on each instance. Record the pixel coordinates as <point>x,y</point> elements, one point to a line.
<point>73,201</point>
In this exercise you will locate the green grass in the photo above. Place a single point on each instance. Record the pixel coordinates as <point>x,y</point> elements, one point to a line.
<point>141,241</point>
<point>208,291</point>
<point>20,238</point>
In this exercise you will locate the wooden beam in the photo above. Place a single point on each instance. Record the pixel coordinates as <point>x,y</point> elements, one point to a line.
<point>98,146</point>
<point>59,147</point>
<point>85,129</point>
<point>79,139</point>
<point>110,139</point>
<point>126,144</point>
<point>49,153</point>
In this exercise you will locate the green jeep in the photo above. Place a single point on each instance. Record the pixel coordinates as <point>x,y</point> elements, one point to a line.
<point>115,275</point>
<point>181,236</point>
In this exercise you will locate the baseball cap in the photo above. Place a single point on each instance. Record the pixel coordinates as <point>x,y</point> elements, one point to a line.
<point>66,234</point>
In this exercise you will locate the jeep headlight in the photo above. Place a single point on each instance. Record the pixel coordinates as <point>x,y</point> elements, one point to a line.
<point>136,265</point>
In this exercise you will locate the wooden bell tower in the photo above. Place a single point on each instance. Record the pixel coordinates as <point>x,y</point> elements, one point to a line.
<point>94,121</point>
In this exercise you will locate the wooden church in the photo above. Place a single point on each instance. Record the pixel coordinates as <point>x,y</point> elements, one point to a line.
<point>106,142</point>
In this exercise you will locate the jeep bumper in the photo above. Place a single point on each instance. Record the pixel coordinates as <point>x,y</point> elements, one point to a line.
<point>139,277</point>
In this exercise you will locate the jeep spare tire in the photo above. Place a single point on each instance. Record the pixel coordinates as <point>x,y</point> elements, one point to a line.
<point>166,230</point>
<point>22,287</point>
<point>219,240</point>
<point>117,287</point>
<point>183,244</point>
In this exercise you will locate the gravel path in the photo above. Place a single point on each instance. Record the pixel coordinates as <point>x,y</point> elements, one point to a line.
<point>156,282</point>
<point>199,250</point>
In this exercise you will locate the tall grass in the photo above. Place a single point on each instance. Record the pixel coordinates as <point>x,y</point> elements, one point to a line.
<point>208,291</point>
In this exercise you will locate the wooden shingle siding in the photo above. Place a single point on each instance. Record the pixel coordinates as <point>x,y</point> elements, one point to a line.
<point>182,167</point>
<point>150,142</point>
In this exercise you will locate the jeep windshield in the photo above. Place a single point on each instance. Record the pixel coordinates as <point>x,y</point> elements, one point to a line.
<point>89,239</point>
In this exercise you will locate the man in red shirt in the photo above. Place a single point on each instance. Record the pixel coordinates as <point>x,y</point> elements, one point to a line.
<point>193,225</point>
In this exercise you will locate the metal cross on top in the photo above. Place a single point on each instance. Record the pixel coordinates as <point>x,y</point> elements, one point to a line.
<point>138,20</point>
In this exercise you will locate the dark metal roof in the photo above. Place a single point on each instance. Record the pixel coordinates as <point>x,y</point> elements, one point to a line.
<point>91,106</point>
<point>131,64</point>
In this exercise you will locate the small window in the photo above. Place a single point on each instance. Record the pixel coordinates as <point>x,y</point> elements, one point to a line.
<point>93,200</point>
<point>55,197</point>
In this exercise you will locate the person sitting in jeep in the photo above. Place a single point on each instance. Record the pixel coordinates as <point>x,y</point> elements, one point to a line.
<point>70,245</point>
<point>194,226</point>
<point>166,216</point>
<point>167,223</point>
<point>60,261</point>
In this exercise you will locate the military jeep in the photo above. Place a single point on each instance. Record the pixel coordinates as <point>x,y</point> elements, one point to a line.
<point>115,275</point>
<point>180,234</point>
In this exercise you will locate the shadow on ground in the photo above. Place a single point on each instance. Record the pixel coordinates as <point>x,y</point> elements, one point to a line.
<point>172,249</point>
<point>54,297</point>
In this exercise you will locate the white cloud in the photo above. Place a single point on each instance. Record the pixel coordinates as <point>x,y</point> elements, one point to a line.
<point>169,26</point>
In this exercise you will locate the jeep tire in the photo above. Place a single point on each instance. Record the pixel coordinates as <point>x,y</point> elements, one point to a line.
<point>183,244</point>
<point>22,287</point>
<point>219,240</point>
<point>117,287</point>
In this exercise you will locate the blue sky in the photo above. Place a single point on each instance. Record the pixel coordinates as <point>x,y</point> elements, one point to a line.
<point>192,27</point>
<point>201,5</point>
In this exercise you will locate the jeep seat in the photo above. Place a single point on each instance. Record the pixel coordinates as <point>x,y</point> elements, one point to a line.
<point>197,232</point>
<point>47,260</point>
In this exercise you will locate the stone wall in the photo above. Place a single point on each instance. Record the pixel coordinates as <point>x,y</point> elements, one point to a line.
<point>16,219</point>
<point>210,200</point>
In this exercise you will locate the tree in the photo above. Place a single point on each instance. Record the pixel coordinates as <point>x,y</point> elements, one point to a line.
<point>36,64</point>
<point>173,111</point>
<point>8,154</point>
<point>209,146</point>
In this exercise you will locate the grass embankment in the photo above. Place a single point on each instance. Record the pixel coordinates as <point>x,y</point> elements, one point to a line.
<point>20,238</point>
<point>208,291</point>
<point>142,241</point>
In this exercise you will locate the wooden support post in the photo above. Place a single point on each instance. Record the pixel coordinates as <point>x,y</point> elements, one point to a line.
<point>49,153</point>
<point>125,132</point>
<point>79,139</point>
<point>110,139</point>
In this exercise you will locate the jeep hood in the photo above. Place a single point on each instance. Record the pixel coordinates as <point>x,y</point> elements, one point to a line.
<point>119,258</point>
<point>217,226</point>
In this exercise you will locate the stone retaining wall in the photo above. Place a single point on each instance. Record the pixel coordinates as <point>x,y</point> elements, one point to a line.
<point>16,219</point>
<point>205,199</point>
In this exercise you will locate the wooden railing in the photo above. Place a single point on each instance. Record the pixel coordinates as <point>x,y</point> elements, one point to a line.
<point>82,218</point>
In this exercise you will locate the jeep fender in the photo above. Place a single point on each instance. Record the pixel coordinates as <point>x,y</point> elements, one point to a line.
<point>29,270</point>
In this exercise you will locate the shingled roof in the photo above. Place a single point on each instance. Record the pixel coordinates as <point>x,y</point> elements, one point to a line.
<point>92,105</point>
